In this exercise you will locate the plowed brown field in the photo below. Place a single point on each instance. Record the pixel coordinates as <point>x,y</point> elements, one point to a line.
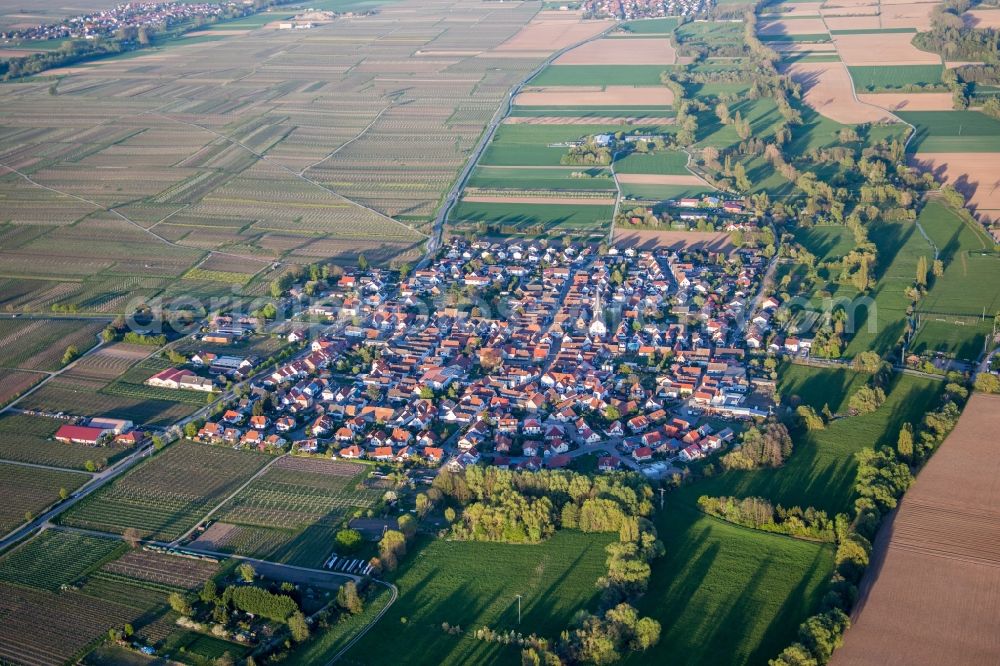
<point>932,593</point>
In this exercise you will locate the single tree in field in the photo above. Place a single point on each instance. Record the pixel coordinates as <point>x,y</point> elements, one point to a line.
<point>922,271</point>
<point>904,445</point>
<point>132,537</point>
<point>246,572</point>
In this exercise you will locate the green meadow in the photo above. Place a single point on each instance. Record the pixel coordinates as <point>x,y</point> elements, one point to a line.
<point>471,585</point>
<point>953,132</point>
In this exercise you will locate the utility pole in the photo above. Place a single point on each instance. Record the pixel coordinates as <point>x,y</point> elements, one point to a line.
<point>519,609</point>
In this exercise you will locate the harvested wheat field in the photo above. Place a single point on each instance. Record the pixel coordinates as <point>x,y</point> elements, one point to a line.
<point>659,179</point>
<point>982,18</point>
<point>556,201</point>
<point>827,89</point>
<point>548,32</point>
<point>932,592</point>
<point>587,120</point>
<point>800,26</point>
<point>621,51</point>
<point>976,175</point>
<point>909,101</point>
<point>853,22</point>
<point>910,15</point>
<point>882,49</point>
<point>595,96</point>
<point>716,241</point>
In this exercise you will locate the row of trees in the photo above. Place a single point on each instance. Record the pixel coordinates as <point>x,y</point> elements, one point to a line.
<point>758,513</point>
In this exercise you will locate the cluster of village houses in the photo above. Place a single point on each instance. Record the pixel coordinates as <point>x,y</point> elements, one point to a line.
<point>513,354</point>
<point>637,9</point>
<point>107,23</point>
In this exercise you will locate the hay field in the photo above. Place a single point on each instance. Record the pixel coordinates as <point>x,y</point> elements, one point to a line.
<point>932,592</point>
<point>268,145</point>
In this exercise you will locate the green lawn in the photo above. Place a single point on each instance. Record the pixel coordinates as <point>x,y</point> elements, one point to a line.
<point>657,26</point>
<point>967,289</point>
<point>520,216</point>
<point>873,78</point>
<point>822,469</point>
<point>953,131</point>
<point>475,584</point>
<point>725,594</point>
<point>762,114</point>
<point>879,328</point>
<point>665,162</point>
<point>599,75</point>
<point>826,242</point>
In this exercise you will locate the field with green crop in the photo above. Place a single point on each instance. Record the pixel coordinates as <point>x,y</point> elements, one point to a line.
<point>543,179</point>
<point>881,326</point>
<point>169,493</point>
<point>952,132</point>
<point>725,594</point>
<point>875,78</point>
<point>663,192</point>
<point>665,162</point>
<point>523,216</point>
<point>28,490</point>
<point>55,558</point>
<point>821,471</point>
<point>39,344</point>
<point>475,584</point>
<point>599,75</point>
<point>657,26</point>
<point>544,145</point>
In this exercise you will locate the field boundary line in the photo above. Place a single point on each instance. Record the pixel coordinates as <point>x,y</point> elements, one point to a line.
<point>450,199</point>
<point>118,214</point>
<point>361,634</point>
<point>218,506</point>
<point>351,140</point>
<point>265,158</point>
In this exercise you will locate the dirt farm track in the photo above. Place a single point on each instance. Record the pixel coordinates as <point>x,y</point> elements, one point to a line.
<point>931,595</point>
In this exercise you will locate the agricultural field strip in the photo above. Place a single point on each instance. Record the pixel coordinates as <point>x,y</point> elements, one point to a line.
<point>349,141</point>
<point>300,175</point>
<point>233,494</point>
<point>117,213</point>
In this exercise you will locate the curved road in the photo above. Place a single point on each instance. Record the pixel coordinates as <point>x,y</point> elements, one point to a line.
<point>437,231</point>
